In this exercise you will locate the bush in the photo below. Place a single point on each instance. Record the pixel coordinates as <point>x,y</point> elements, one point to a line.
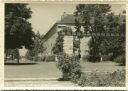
<point>35,58</point>
<point>121,59</point>
<point>38,58</point>
<point>50,58</point>
<point>116,78</point>
<point>92,58</point>
<point>12,54</point>
<point>70,67</point>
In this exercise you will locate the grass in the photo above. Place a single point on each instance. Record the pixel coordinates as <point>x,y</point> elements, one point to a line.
<point>102,74</point>
<point>39,70</point>
<point>97,79</point>
<point>49,69</point>
<point>100,66</point>
<point>94,74</point>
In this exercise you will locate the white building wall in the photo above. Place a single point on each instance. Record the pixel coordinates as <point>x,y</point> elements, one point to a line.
<point>49,44</point>
<point>84,41</point>
<point>52,40</point>
<point>84,46</point>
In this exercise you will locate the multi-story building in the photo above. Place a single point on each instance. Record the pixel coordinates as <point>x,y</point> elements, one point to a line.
<point>67,20</point>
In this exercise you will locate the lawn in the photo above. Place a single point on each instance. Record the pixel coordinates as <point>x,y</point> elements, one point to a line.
<point>39,70</point>
<point>49,69</point>
<point>100,66</point>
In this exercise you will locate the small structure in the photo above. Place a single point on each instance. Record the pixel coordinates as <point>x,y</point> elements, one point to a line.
<point>22,54</point>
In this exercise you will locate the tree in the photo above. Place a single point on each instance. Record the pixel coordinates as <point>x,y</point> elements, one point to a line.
<point>115,44</point>
<point>18,31</point>
<point>37,47</point>
<point>98,18</point>
<point>92,16</point>
<point>58,47</point>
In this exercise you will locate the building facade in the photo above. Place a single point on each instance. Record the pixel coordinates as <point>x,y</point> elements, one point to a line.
<point>67,20</point>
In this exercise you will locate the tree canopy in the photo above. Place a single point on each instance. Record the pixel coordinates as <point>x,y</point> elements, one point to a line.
<point>99,18</point>
<point>18,30</point>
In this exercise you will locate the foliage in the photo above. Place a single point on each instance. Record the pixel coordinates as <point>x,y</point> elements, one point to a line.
<point>115,45</point>
<point>18,31</point>
<point>37,47</point>
<point>38,58</point>
<point>70,67</point>
<point>76,43</point>
<point>92,15</point>
<point>58,47</point>
<point>67,31</point>
<point>50,58</point>
<point>97,79</point>
<point>12,54</point>
<point>98,18</point>
<point>93,50</point>
<point>121,59</point>
<point>42,58</point>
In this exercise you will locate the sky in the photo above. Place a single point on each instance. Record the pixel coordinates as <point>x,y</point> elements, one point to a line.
<point>44,15</point>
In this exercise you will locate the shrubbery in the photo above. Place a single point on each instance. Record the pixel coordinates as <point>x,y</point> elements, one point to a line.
<point>42,58</point>
<point>121,59</point>
<point>12,54</point>
<point>116,78</point>
<point>93,58</point>
<point>71,70</point>
<point>38,58</point>
<point>50,58</point>
<point>70,67</point>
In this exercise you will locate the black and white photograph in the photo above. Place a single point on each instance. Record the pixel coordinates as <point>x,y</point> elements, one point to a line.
<point>63,90</point>
<point>65,45</point>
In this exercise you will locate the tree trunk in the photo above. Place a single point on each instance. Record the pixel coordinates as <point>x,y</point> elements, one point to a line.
<point>18,57</point>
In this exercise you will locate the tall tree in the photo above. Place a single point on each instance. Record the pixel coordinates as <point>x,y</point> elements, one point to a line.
<point>18,31</point>
<point>98,18</point>
<point>92,16</point>
<point>115,44</point>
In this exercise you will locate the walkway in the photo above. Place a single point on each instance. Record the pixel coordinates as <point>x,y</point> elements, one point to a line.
<point>49,83</point>
<point>37,75</point>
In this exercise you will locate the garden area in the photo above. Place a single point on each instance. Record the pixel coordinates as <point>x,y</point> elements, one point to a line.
<point>103,66</point>
<point>93,74</point>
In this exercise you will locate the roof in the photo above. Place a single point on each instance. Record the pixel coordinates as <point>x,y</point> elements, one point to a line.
<point>50,32</point>
<point>69,19</point>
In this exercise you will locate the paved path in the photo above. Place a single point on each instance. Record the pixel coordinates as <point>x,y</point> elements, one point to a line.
<point>41,83</point>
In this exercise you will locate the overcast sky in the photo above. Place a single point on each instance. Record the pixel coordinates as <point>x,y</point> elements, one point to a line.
<point>45,15</point>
